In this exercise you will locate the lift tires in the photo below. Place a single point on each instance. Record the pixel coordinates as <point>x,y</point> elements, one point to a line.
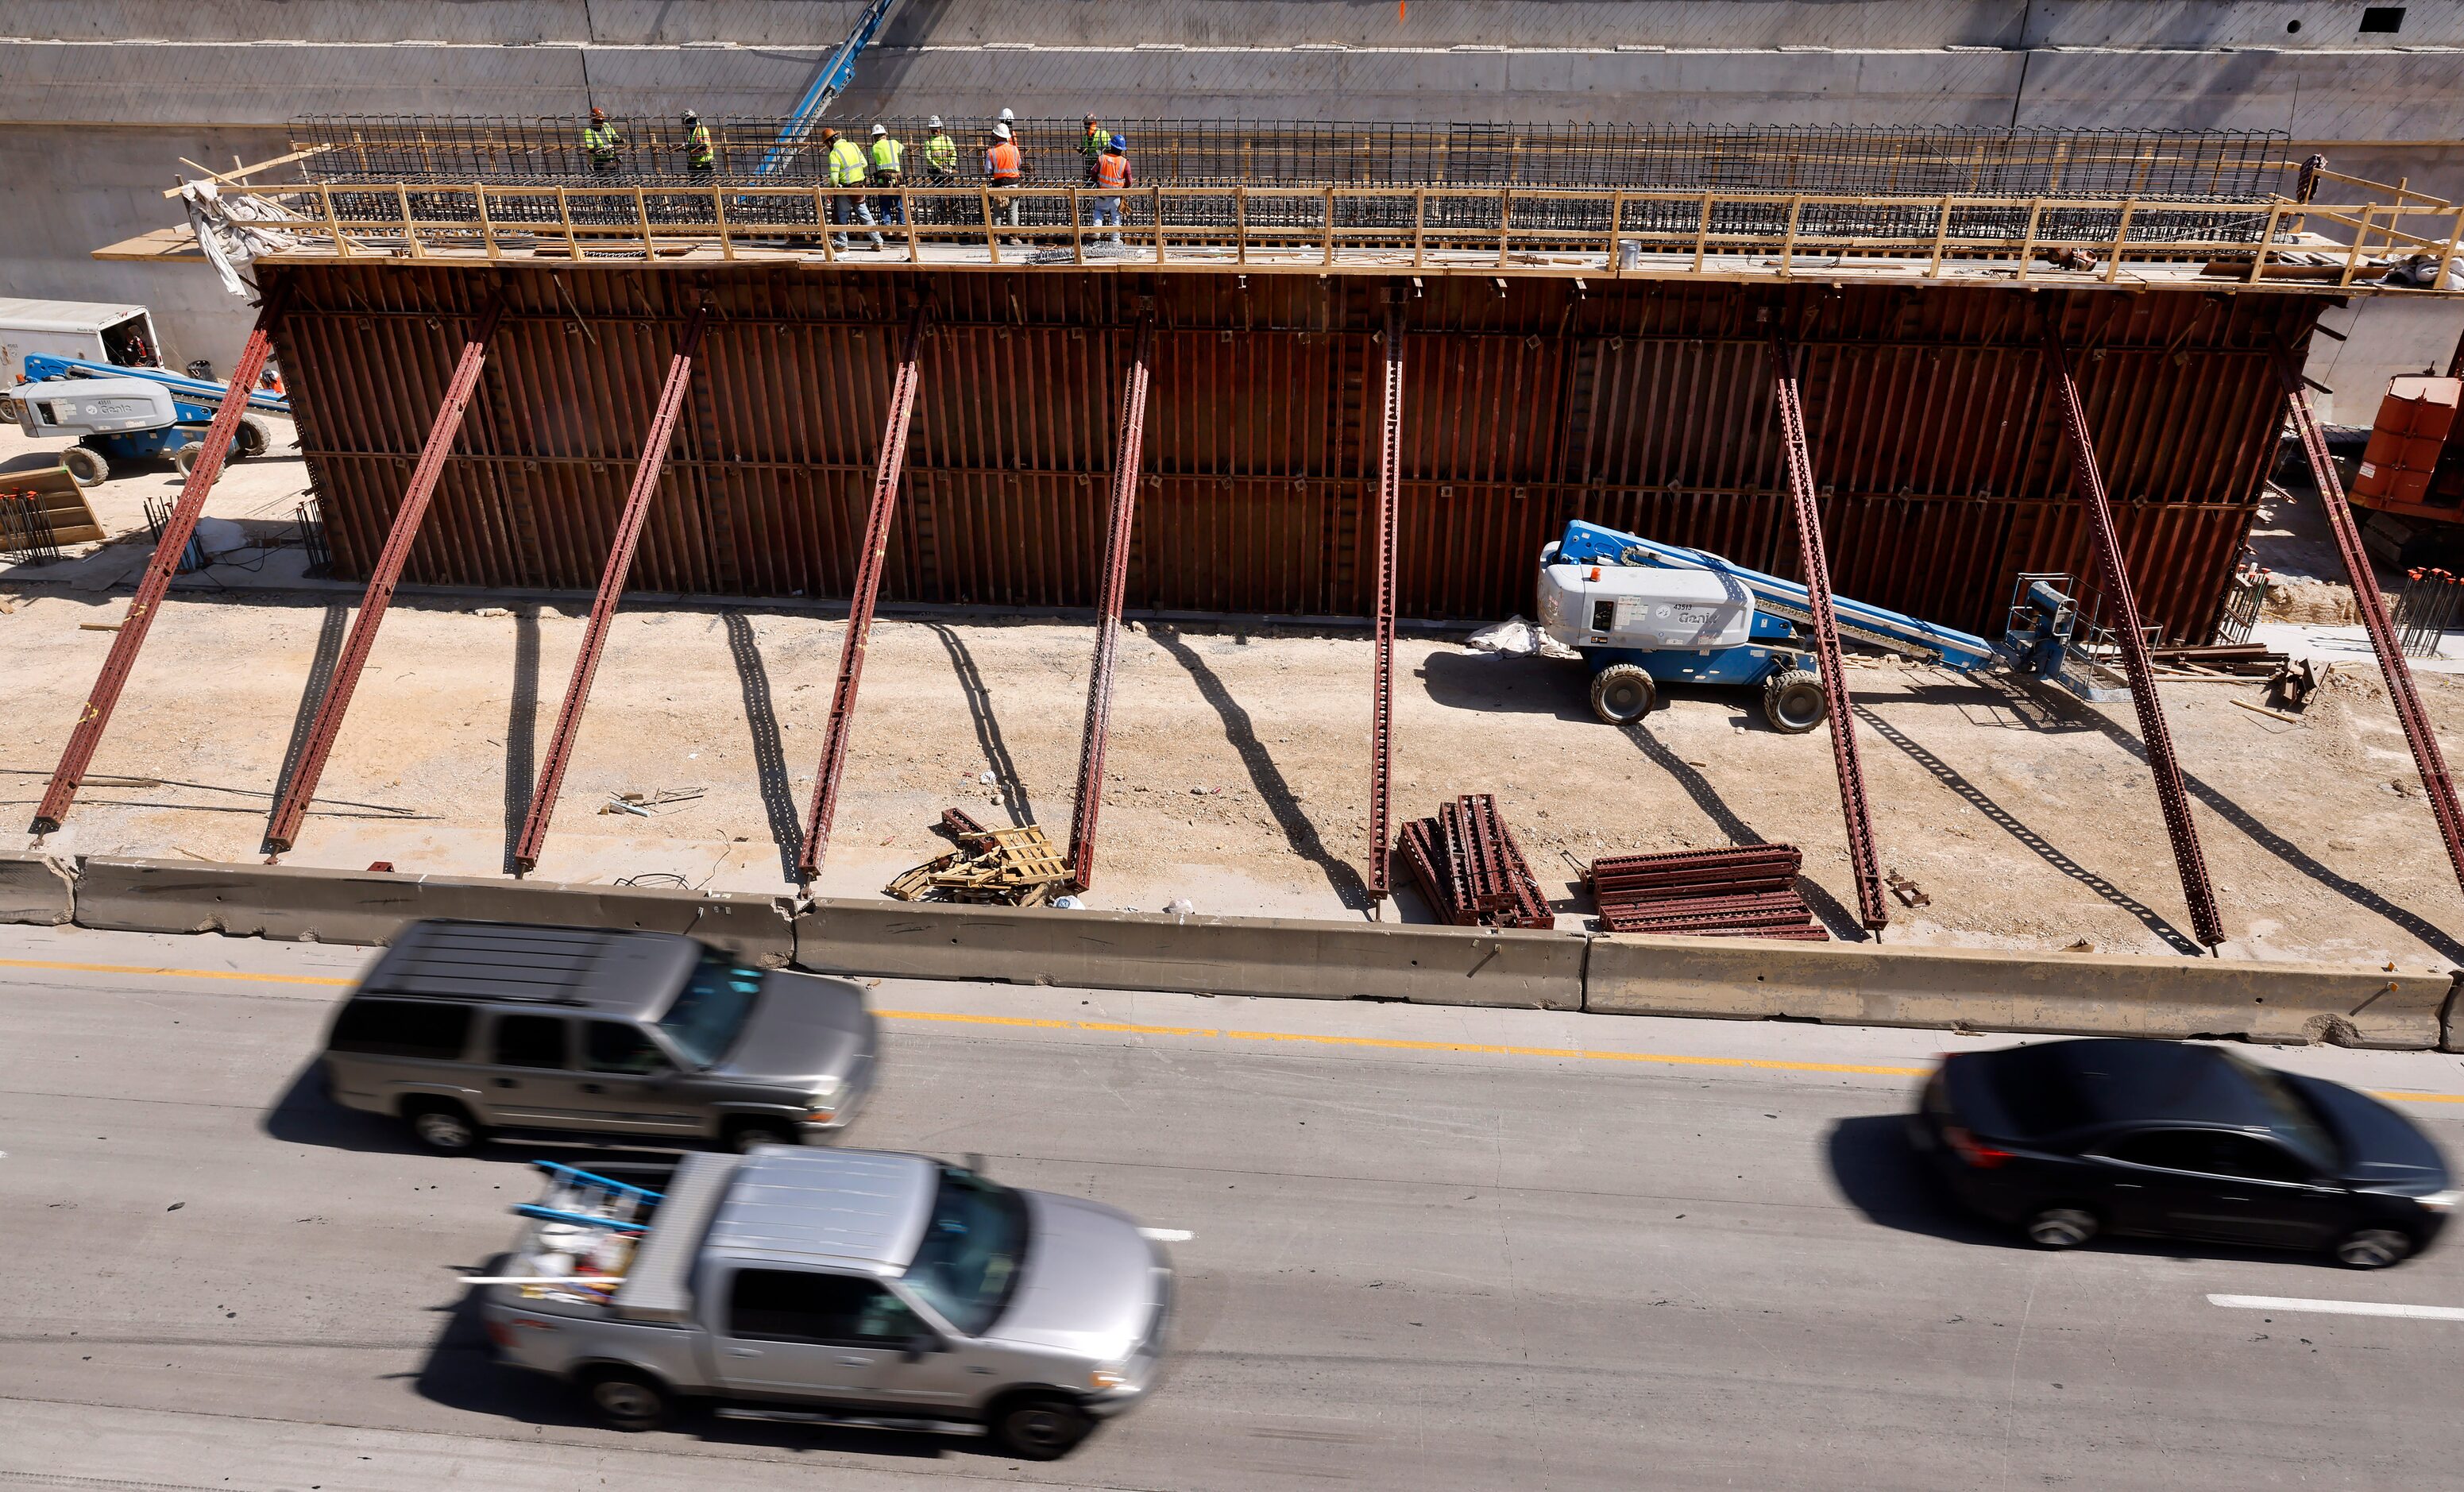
<point>1794,703</point>
<point>1622,693</point>
<point>254,437</point>
<point>86,465</point>
<point>186,459</point>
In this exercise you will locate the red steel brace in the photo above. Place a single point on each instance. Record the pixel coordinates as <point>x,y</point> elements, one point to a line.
<point>1381,707</point>
<point>2171,795</point>
<point>156,585</point>
<point>1871,908</point>
<point>2436,786</point>
<point>302,790</point>
<point>868,591</point>
<point>1127,444</point>
<point>611,589</point>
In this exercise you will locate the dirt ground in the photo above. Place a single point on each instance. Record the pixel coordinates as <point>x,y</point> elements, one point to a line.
<point>1238,765</point>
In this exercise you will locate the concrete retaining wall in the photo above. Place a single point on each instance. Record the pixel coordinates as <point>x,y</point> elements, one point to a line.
<point>2106,994</point>
<point>1717,978</point>
<point>321,906</point>
<point>1217,956</point>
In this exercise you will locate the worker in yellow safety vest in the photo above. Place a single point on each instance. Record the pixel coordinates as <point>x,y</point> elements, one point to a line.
<point>699,158</point>
<point>1112,177</point>
<point>940,170</point>
<point>848,170</point>
<point>1090,146</point>
<point>600,140</point>
<point>888,159</point>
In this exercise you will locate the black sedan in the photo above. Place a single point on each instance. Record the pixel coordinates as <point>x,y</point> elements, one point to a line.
<point>2068,1139</point>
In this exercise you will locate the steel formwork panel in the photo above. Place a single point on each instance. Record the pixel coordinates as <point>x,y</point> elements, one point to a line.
<point>1940,465</point>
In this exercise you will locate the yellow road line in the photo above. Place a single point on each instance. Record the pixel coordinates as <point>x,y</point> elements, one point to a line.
<point>1123,1028</point>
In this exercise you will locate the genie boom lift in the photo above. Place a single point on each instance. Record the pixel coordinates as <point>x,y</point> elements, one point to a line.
<point>1643,614</point>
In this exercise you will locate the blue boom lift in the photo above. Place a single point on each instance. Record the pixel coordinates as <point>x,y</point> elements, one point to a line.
<point>1643,614</point>
<point>128,414</point>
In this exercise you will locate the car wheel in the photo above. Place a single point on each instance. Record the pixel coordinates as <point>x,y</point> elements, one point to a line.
<point>621,1399</point>
<point>2061,1227</point>
<point>1793,702</point>
<point>447,1128</point>
<point>745,1136</point>
<point>1040,1427</point>
<point>2373,1248</point>
<point>86,465</point>
<point>1622,693</point>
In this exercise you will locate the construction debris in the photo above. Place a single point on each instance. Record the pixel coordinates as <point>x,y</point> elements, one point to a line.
<point>1004,868</point>
<point>1745,891</point>
<point>2246,660</point>
<point>1469,868</point>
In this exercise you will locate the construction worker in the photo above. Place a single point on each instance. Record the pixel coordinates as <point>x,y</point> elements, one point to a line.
<point>1092,146</point>
<point>940,166</point>
<point>1113,177</point>
<point>600,140</point>
<point>888,157</point>
<point>1002,168</point>
<point>699,158</point>
<point>848,170</point>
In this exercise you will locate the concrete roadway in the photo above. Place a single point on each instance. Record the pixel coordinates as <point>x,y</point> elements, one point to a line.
<point>1562,1251</point>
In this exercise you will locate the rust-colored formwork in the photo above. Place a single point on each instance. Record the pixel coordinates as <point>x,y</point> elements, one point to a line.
<point>1814,570</point>
<point>866,591</point>
<point>300,790</point>
<point>612,578</point>
<point>1642,406</point>
<point>1381,702</point>
<point>1088,807</point>
<point>2114,576</point>
<point>155,586</point>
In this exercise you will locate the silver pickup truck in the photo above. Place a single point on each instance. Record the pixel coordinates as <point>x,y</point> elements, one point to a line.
<point>840,1287</point>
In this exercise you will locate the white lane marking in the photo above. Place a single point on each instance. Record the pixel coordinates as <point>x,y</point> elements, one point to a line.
<point>2287,1303</point>
<point>1167,1235</point>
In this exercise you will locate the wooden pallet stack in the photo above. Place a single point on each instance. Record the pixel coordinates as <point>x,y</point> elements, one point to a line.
<point>1470,870</point>
<point>1745,891</point>
<point>1004,868</point>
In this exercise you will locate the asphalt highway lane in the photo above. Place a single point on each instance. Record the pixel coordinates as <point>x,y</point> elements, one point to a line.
<point>1433,1249</point>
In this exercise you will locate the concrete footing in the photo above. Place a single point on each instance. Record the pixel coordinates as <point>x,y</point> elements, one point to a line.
<point>2096,994</point>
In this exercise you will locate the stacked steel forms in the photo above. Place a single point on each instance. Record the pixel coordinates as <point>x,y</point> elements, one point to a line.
<point>1470,870</point>
<point>1747,891</point>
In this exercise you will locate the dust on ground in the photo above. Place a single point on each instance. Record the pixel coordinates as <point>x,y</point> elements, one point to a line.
<point>1237,769</point>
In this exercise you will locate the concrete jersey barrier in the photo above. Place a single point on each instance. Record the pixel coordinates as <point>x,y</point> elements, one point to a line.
<point>1733,978</point>
<point>2110,995</point>
<point>368,906</point>
<point>1216,955</point>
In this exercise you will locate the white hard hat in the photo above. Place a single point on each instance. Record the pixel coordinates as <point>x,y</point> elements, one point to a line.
<point>881,129</point>
<point>936,122</point>
<point>1006,116</point>
<point>1001,132</point>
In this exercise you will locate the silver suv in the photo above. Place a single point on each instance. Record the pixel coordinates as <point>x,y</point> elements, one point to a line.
<point>840,1287</point>
<point>462,1027</point>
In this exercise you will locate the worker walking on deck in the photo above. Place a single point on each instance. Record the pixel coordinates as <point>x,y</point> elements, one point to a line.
<point>601,141</point>
<point>889,171</point>
<point>940,168</point>
<point>1113,177</point>
<point>700,158</point>
<point>1003,167</point>
<point>848,172</point>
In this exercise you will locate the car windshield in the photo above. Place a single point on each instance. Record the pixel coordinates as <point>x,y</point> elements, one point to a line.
<point>972,1250</point>
<point>2287,1114</point>
<point>709,1014</point>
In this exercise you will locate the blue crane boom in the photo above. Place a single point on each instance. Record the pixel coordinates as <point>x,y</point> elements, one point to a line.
<point>833,77</point>
<point>43,367</point>
<point>1590,543</point>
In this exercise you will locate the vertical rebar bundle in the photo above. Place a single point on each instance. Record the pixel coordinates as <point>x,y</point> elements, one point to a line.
<point>2425,610</point>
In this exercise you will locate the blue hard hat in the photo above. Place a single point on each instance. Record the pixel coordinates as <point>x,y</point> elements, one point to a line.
<point>1120,142</point>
